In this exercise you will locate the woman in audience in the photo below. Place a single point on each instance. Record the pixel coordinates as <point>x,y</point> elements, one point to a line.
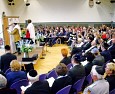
<point>3,86</point>
<point>62,79</point>
<point>110,72</point>
<point>16,74</point>
<point>66,60</point>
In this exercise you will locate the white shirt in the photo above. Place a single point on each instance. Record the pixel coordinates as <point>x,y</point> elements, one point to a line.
<point>31,30</point>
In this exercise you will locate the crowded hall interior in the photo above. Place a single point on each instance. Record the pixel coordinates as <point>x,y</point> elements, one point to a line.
<point>57,47</point>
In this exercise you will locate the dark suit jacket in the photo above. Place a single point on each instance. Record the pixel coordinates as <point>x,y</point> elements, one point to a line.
<point>60,83</point>
<point>86,46</point>
<point>5,61</point>
<point>66,60</point>
<point>88,68</point>
<point>76,73</point>
<point>112,51</point>
<point>111,80</point>
<point>8,91</point>
<point>107,55</point>
<point>38,88</point>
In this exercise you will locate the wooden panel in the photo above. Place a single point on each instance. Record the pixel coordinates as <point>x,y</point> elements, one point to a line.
<point>5,32</point>
<point>5,27</point>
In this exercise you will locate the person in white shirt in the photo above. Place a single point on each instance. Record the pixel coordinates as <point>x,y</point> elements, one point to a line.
<point>100,85</point>
<point>31,29</point>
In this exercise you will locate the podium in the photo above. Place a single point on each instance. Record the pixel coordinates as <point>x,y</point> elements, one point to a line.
<point>8,27</point>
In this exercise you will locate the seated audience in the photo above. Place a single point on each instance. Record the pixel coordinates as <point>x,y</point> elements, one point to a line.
<point>6,59</point>
<point>110,72</point>
<point>77,71</point>
<point>62,79</point>
<point>100,85</point>
<point>3,86</point>
<point>99,59</point>
<point>66,60</point>
<point>16,74</point>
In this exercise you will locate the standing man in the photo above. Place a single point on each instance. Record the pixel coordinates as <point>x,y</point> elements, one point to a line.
<point>31,30</point>
<point>6,59</point>
<point>16,33</point>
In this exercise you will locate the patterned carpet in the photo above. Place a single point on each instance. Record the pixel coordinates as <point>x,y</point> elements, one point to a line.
<point>52,58</point>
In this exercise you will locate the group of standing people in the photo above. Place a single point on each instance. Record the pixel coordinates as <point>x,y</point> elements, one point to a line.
<point>17,33</point>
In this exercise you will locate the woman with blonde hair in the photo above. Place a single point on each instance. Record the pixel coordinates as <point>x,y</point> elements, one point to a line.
<point>110,75</point>
<point>16,74</point>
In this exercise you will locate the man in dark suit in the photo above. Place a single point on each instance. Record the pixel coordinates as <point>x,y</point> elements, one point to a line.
<point>62,80</point>
<point>78,71</point>
<point>112,47</point>
<point>38,87</point>
<point>6,59</point>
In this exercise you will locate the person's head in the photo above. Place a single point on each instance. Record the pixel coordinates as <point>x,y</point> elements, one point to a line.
<point>96,73</point>
<point>90,37</point>
<point>15,65</point>
<point>7,48</point>
<point>3,81</point>
<point>64,52</point>
<point>29,21</point>
<point>110,69</point>
<point>33,76</point>
<point>95,51</point>
<point>90,57</point>
<point>76,59</point>
<point>61,69</point>
<point>104,46</point>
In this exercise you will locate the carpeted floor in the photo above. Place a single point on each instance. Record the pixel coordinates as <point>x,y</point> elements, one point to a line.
<point>52,58</point>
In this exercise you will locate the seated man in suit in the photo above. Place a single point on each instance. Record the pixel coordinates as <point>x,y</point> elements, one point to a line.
<point>112,47</point>
<point>36,86</point>
<point>62,80</point>
<point>6,59</point>
<point>78,71</point>
<point>99,59</point>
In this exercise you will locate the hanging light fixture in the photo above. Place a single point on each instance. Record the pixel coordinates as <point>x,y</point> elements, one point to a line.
<point>98,2</point>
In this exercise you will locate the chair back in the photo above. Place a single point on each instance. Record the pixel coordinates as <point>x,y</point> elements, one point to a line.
<point>18,84</point>
<point>8,91</point>
<point>112,92</point>
<point>89,79</point>
<point>7,71</point>
<point>42,77</point>
<point>52,74</point>
<point>64,90</point>
<point>78,85</point>
<point>69,66</point>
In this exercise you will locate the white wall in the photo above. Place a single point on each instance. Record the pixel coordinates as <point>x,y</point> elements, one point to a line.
<point>3,7</point>
<point>62,11</point>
